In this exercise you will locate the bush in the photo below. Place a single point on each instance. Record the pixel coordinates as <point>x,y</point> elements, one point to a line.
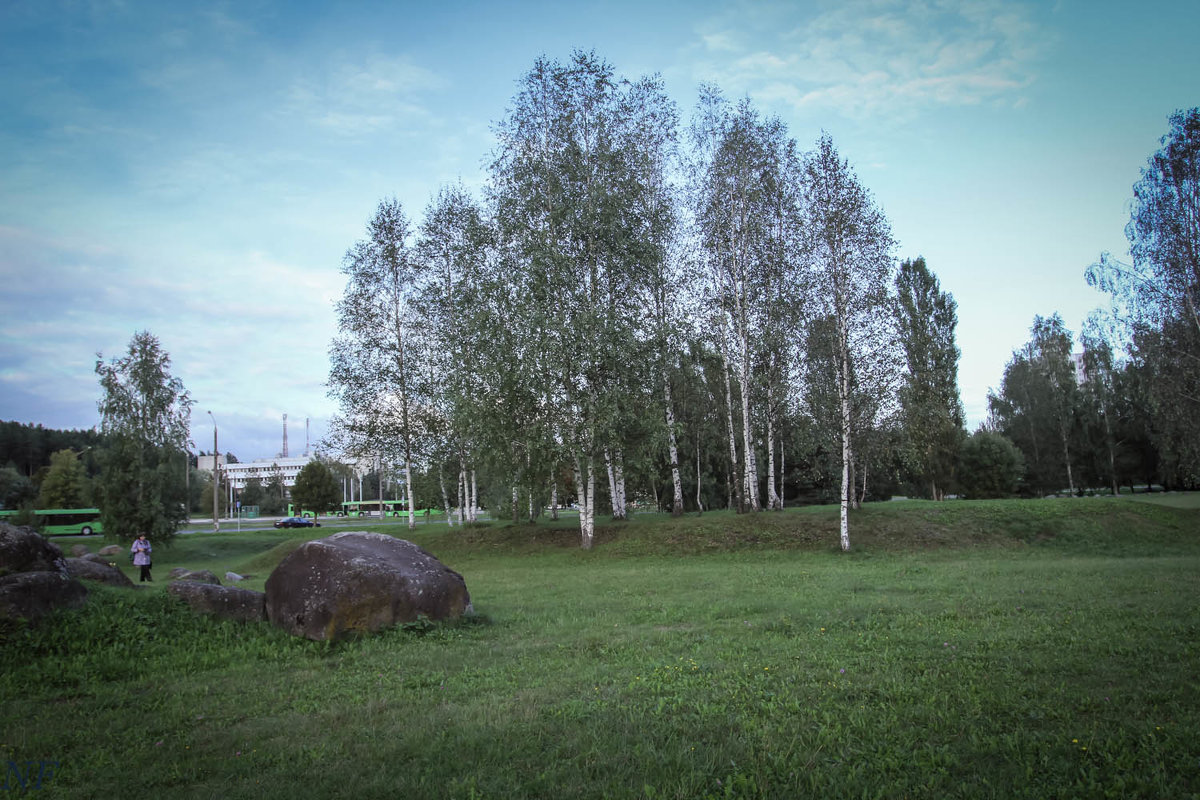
<point>990,466</point>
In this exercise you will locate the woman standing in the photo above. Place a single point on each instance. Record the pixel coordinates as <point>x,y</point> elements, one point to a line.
<point>141,556</point>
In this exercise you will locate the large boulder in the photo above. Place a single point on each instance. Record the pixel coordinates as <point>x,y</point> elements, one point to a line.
<point>30,595</point>
<point>111,550</point>
<point>23,549</point>
<point>226,602</point>
<point>100,571</point>
<point>359,582</point>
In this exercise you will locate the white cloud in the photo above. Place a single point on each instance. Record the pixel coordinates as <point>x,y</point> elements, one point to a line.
<point>868,58</point>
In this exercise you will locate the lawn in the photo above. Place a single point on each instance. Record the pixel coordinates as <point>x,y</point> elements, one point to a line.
<point>1039,649</point>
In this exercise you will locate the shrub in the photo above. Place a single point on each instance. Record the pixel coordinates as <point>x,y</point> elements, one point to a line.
<point>989,466</point>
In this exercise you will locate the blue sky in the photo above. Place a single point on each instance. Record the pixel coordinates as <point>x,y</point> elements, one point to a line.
<point>199,169</point>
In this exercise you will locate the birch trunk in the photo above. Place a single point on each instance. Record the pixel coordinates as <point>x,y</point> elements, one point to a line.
<point>782,472</point>
<point>474,497</point>
<point>462,493</point>
<point>735,474</point>
<point>587,492</point>
<point>553,497</point>
<point>847,454</point>
<point>613,497</point>
<point>673,450</point>
<point>412,514</point>
<point>699,502</point>
<point>445,497</point>
<point>516,503</point>
<point>772,496</point>
<point>748,460</point>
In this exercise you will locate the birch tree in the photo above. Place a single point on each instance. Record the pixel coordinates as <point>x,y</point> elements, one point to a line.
<point>375,360</point>
<point>566,187</point>
<point>453,250</point>
<point>849,242</point>
<point>144,414</point>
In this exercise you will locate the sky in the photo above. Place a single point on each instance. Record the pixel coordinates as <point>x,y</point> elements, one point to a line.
<point>199,169</point>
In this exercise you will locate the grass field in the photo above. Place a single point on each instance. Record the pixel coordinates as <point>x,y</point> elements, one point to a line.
<point>993,649</point>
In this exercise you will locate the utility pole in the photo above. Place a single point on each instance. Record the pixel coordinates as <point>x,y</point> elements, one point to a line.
<point>216,478</point>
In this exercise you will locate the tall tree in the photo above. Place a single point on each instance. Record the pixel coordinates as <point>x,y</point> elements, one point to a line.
<point>144,412</point>
<point>1157,298</point>
<point>316,489</point>
<point>66,483</point>
<point>375,368</point>
<point>565,189</point>
<point>453,250</point>
<point>1037,407</point>
<point>850,244</point>
<point>931,407</point>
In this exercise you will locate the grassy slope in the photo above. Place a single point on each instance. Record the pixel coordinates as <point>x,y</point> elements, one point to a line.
<point>963,649</point>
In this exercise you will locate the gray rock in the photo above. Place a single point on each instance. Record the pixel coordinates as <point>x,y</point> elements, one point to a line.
<point>25,550</point>
<point>200,576</point>
<point>178,572</point>
<point>358,582</point>
<point>111,550</point>
<point>226,602</point>
<point>30,595</point>
<point>97,571</point>
<point>233,577</point>
<point>79,550</point>
<point>97,559</point>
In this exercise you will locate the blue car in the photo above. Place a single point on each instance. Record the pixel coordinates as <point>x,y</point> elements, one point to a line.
<point>296,522</point>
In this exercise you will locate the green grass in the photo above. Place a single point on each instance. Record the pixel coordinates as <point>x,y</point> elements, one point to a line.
<point>1007,649</point>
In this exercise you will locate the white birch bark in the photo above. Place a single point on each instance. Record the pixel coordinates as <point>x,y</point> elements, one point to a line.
<point>847,454</point>
<point>673,450</point>
<point>587,519</point>
<point>462,493</point>
<point>613,496</point>
<point>553,497</point>
<point>782,472</point>
<point>772,495</point>
<point>445,497</point>
<point>733,459</point>
<point>474,497</point>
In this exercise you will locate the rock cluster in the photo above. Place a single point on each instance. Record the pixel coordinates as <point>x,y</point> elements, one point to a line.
<point>34,576</point>
<point>346,584</point>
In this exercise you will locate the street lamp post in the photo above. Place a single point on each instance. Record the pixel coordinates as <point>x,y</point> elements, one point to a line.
<point>216,478</point>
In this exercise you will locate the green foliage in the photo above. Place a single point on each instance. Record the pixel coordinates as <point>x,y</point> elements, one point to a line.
<point>1156,300</point>
<point>65,484</point>
<point>931,410</point>
<point>144,415</point>
<point>989,466</point>
<point>16,490</point>
<point>315,488</point>
<point>1038,406</point>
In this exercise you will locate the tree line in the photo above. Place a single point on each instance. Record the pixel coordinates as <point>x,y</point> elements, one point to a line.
<point>642,312</point>
<point>638,312</point>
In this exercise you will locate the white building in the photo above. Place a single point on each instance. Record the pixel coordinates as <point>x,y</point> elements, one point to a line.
<point>263,469</point>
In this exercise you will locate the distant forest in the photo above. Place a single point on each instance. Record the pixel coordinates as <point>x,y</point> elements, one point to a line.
<point>27,448</point>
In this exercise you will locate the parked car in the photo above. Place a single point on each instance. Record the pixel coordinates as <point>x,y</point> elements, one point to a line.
<point>296,522</point>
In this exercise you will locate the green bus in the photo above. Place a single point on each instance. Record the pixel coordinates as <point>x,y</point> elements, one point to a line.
<point>370,508</point>
<point>63,521</point>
